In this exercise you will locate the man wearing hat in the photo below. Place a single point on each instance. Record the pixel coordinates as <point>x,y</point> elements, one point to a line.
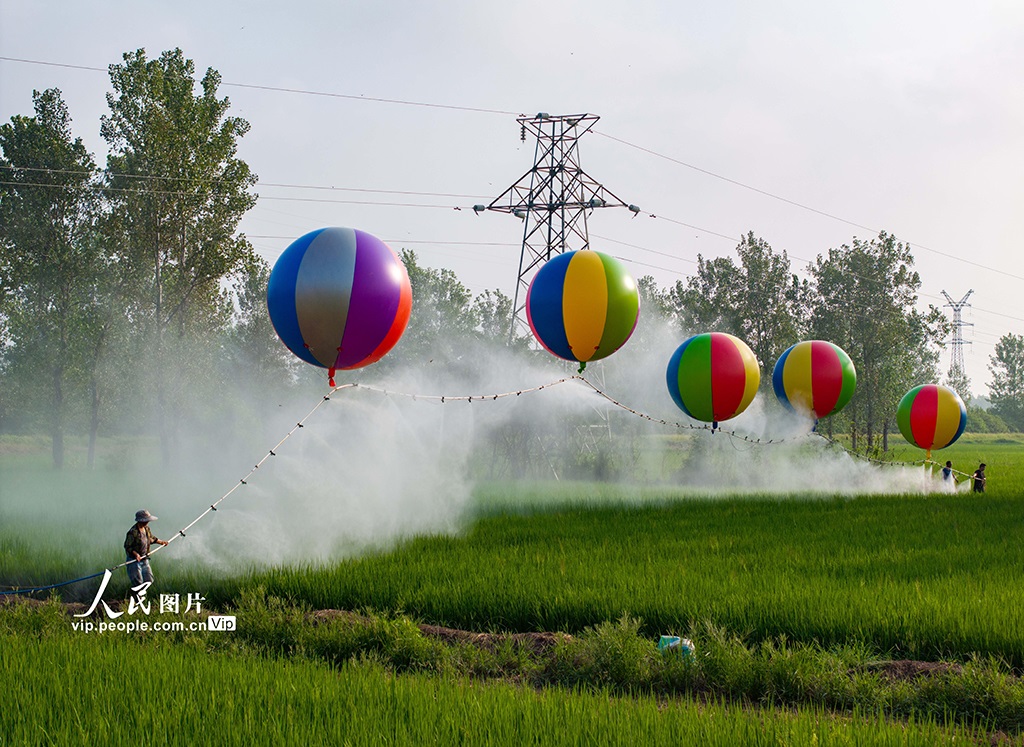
<point>136,547</point>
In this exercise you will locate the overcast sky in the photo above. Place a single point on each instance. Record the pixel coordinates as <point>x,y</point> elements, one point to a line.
<point>907,117</point>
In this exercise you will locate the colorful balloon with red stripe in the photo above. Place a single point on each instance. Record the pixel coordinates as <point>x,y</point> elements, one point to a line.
<point>713,377</point>
<point>582,306</point>
<point>339,298</point>
<point>814,378</point>
<point>931,416</point>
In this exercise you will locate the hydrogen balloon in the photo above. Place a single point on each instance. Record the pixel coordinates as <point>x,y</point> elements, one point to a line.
<point>713,377</point>
<point>931,416</point>
<point>582,306</point>
<point>814,378</point>
<point>339,298</point>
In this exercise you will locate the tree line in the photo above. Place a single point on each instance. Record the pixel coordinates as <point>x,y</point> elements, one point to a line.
<point>862,296</point>
<point>129,301</point>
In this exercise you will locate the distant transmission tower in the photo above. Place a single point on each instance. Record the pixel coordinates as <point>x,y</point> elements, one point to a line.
<point>553,198</point>
<point>956,363</point>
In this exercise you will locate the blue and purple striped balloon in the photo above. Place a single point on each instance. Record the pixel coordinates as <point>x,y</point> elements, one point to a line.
<point>339,298</point>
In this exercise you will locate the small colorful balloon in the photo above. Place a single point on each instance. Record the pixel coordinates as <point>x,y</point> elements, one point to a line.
<point>814,378</point>
<point>713,377</point>
<point>931,416</point>
<point>582,306</point>
<point>339,298</point>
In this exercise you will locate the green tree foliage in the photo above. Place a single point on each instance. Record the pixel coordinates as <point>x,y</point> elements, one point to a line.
<point>448,325</point>
<point>50,260</point>
<point>865,298</point>
<point>492,311</point>
<point>1007,389</point>
<point>985,421</point>
<point>178,191</point>
<point>759,300</point>
<point>254,350</point>
<point>441,318</point>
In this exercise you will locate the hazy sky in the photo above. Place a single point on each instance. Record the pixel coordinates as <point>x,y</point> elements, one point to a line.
<point>906,116</point>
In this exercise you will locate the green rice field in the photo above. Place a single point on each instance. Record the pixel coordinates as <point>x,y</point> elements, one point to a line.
<point>801,607</point>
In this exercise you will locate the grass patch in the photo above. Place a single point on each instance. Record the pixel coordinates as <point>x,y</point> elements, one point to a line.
<point>775,683</point>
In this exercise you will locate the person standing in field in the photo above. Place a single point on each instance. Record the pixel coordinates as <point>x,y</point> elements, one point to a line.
<point>979,479</point>
<point>136,548</point>
<point>947,473</point>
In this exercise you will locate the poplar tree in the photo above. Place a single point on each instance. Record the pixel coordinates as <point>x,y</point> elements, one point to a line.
<point>865,301</point>
<point>1007,388</point>
<point>759,300</point>
<point>50,260</point>
<point>178,191</point>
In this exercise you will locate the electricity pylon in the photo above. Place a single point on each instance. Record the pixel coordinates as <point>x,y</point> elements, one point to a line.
<point>957,375</point>
<point>553,198</point>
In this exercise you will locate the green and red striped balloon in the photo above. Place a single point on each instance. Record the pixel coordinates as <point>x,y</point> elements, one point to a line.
<point>713,377</point>
<point>931,416</point>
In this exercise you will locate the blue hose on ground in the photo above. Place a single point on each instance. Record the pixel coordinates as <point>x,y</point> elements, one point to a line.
<point>51,586</point>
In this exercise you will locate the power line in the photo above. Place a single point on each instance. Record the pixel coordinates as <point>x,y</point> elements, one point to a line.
<point>645,249</point>
<point>474,109</point>
<point>178,193</point>
<point>360,202</point>
<point>192,180</point>
<point>641,148</point>
<point>797,204</point>
<point>54,64</point>
<point>695,228</point>
<point>374,203</point>
<point>402,241</point>
<point>306,92</point>
<point>627,143</point>
<point>393,204</point>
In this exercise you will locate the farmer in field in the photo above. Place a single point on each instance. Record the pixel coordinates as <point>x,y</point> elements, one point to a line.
<point>947,473</point>
<point>136,548</point>
<point>979,479</point>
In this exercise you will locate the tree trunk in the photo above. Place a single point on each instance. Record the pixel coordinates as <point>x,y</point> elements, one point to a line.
<point>94,392</point>
<point>159,381</point>
<point>869,424</point>
<point>885,436</point>
<point>58,416</point>
<point>94,421</point>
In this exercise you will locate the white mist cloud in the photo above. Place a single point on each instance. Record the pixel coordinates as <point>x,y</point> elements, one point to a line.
<point>369,469</point>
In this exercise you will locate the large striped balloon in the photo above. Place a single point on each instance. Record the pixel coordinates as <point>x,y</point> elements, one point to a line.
<point>582,306</point>
<point>814,378</point>
<point>931,416</point>
<point>713,377</point>
<point>339,298</point>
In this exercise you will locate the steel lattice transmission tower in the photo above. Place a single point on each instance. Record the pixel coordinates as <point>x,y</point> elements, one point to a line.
<point>553,198</point>
<point>956,362</point>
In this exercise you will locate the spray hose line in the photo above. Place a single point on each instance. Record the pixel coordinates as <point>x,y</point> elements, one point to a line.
<point>444,399</point>
<point>213,506</point>
<point>965,475</point>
